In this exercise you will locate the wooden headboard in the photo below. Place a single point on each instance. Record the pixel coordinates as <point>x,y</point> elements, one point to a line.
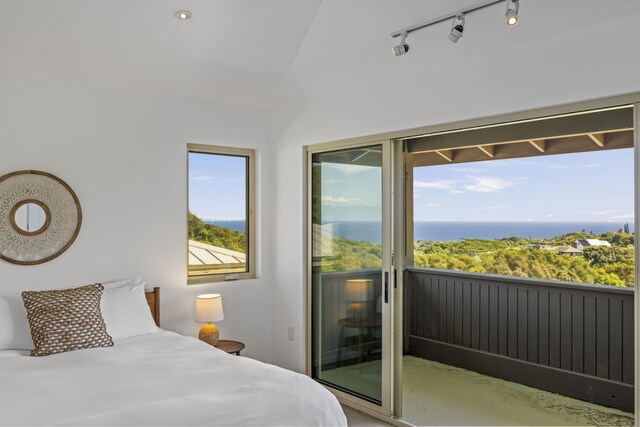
<point>153,299</point>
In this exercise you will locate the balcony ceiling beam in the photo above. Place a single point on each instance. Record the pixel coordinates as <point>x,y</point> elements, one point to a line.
<point>601,122</point>
<point>446,154</point>
<point>540,144</point>
<point>574,144</point>
<point>598,138</point>
<point>489,150</point>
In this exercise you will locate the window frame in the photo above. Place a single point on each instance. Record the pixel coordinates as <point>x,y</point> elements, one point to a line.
<point>250,155</point>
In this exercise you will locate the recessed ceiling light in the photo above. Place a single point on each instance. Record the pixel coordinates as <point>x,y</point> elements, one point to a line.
<point>183,15</point>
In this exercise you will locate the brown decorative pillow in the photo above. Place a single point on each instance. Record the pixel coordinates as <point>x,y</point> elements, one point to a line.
<point>66,320</point>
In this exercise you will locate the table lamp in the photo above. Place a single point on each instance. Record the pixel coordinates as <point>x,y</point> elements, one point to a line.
<point>357,293</point>
<point>209,310</point>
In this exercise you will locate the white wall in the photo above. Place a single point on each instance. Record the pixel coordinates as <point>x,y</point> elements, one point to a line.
<point>595,55</point>
<point>124,154</point>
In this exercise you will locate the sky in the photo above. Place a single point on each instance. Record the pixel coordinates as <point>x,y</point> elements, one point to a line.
<point>217,187</point>
<point>594,186</point>
<point>351,192</point>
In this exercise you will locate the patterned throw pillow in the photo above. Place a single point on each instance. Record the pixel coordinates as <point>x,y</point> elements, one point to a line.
<point>66,320</point>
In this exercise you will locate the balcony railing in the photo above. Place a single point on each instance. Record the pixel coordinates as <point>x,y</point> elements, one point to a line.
<point>337,342</point>
<point>572,339</point>
<point>568,338</point>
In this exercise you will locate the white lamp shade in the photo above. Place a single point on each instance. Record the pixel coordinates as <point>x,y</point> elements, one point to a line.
<point>357,290</point>
<point>209,308</point>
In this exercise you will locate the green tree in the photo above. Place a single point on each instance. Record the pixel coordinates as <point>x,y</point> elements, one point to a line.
<point>221,237</point>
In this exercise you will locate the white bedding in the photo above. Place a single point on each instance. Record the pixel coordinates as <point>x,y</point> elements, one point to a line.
<point>159,379</point>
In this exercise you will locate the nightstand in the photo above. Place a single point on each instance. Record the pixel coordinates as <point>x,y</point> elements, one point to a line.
<point>231,347</point>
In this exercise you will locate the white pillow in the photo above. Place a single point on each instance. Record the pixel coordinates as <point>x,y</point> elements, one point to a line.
<point>125,310</point>
<point>14,326</point>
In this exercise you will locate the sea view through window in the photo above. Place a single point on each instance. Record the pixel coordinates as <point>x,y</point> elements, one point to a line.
<point>566,217</point>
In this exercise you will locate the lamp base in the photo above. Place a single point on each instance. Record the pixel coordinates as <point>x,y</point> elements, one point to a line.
<point>357,311</point>
<point>209,333</point>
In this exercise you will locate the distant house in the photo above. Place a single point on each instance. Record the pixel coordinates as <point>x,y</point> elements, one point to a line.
<point>569,251</point>
<point>585,243</point>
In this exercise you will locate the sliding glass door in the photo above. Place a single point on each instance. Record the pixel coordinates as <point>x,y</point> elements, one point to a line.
<point>349,275</point>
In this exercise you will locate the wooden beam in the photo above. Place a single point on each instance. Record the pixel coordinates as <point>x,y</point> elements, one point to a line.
<point>576,144</point>
<point>447,154</point>
<point>489,150</point>
<point>598,138</point>
<point>551,128</point>
<point>540,144</point>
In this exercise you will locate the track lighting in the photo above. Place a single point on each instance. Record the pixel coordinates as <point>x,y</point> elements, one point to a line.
<point>402,48</point>
<point>457,29</point>
<point>511,14</point>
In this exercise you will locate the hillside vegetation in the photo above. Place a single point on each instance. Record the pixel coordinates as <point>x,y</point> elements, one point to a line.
<point>221,237</point>
<point>513,256</point>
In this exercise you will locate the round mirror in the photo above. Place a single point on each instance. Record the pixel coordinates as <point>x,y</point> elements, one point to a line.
<point>30,217</point>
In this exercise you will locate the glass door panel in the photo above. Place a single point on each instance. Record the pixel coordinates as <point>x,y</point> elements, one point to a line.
<point>348,270</point>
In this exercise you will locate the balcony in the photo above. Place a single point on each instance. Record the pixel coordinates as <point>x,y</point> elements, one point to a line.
<point>559,337</point>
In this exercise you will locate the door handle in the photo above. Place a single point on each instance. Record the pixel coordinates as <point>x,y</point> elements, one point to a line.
<point>386,286</point>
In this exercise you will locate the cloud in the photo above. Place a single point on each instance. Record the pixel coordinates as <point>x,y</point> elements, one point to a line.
<point>481,184</point>
<point>491,208</point>
<point>437,185</point>
<point>623,217</point>
<point>469,170</point>
<point>200,178</point>
<point>348,169</point>
<point>602,213</point>
<point>473,184</point>
<point>343,201</point>
<point>555,166</point>
<point>336,201</point>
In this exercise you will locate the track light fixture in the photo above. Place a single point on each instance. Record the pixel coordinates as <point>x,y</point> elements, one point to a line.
<point>402,48</point>
<point>511,14</point>
<point>457,29</point>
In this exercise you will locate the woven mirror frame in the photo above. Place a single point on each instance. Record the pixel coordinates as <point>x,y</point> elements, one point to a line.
<point>58,221</point>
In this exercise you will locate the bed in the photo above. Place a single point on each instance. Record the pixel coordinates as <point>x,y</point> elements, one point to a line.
<point>158,379</point>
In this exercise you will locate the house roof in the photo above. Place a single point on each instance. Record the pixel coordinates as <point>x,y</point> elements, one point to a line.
<point>205,254</point>
<point>323,239</point>
<point>593,242</point>
<point>569,250</point>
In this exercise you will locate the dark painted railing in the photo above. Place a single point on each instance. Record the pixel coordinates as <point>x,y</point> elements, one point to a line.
<point>568,338</point>
<point>329,293</point>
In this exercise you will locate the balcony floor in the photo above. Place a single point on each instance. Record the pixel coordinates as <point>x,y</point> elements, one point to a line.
<point>437,394</point>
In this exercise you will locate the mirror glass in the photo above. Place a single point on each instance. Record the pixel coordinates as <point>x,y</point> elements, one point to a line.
<point>30,217</point>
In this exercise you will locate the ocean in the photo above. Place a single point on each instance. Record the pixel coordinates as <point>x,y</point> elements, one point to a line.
<point>234,225</point>
<point>453,230</point>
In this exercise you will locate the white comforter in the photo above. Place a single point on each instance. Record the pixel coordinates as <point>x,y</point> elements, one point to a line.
<point>159,379</point>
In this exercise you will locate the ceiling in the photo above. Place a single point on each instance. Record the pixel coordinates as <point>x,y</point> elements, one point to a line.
<point>350,39</point>
<point>231,50</point>
<point>252,51</point>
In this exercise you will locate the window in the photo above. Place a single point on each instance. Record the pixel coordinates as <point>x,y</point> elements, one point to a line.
<point>221,223</point>
<point>548,199</point>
